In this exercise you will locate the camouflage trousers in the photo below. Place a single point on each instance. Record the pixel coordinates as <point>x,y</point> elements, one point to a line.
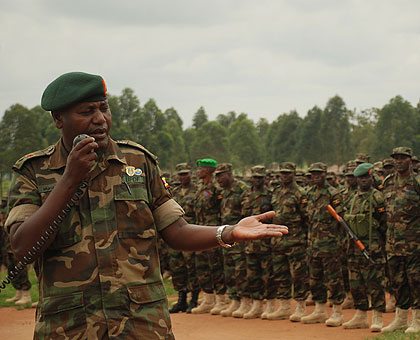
<point>209,270</point>
<point>258,269</point>
<point>234,266</point>
<point>21,282</point>
<point>366,280</point>
<point>405,280</point>
<point>325,274</point>
<point>182,268</point>
<point>289,268</point>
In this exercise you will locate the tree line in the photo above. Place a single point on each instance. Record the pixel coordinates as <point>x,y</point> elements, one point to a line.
<point>332,134</point>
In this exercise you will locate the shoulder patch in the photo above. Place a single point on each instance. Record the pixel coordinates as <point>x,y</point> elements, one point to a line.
<point>381,210</point>
<point>305,201</point>
<point>137,146</point>
<point>336,202</point>
<point>40,153</point>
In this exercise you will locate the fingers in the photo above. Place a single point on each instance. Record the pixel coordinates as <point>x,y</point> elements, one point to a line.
<point>265,216</point>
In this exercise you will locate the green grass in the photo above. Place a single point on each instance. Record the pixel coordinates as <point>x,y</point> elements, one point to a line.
<point>397,335</point>
<point>10,291</point>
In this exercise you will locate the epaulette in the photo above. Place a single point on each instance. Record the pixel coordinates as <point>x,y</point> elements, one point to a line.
<point>137,146</point>
<point>40,153</point>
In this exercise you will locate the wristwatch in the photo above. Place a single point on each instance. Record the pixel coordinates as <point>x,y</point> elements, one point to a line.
<point>219,237</point>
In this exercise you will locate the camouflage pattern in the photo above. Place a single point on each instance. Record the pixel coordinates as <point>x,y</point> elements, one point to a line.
<point>182,263</point>
<point>209,263</point>
<point>234,258</point>
<point>258,253</point>
<point>324,241</point>
<point>367,279</point>
<point>100,277</point>
<point>289,253</point>
<point>403,236</point>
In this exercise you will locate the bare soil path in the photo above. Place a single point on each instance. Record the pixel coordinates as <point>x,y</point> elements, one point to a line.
<point>19,325</point>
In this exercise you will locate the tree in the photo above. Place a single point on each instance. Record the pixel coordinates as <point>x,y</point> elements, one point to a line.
<point>310,138</point>
<point>200,118</point>
<point>211,141</point>
<point>226,119</point>
<point>171,113</point>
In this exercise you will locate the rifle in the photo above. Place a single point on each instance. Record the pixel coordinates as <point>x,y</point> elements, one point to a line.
<point>351,233</point>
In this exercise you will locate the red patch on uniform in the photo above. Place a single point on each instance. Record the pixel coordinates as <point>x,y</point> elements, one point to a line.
<point>336,202</point>
<point>165,183</point>
<point>370,171</point>
<point>103,83</point>
<point>30,155</point>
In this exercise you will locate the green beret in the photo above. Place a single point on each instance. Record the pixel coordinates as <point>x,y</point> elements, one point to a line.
<point>207,162</point>
<point>363,169</point>
<point>72,88</point>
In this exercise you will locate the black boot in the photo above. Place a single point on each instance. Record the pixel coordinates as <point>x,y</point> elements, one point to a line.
<point>193,302</point>
<point>181,305</point>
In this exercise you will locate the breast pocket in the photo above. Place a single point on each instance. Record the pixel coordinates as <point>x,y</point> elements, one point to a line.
<point>134,217</point>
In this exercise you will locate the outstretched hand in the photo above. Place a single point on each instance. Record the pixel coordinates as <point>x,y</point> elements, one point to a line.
<point>251,228</point>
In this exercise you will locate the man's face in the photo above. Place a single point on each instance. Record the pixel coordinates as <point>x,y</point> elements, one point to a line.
<point>402,163</point>
<point>286,177</point>
<point>91,118</point>
<point>389,169</point>
<point>224,179</point>
<point>184,178</point>
<point>318,177</point>
<point>257,181</point>
<point>364,182</point>
<point>203,171</point>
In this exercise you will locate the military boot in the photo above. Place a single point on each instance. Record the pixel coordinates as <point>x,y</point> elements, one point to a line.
<point>415,322</point>
<point>359,320</point>
<point>283,312</point>
<point>390,304</point>
<point>244,307</point>
<point>309,301</point>
<point>194,301</point>
<point>400,321</point>
<point>181,305</point>
<point>233,306</point>
<point>17,296</point>
<point>220,304</point>
<point>348,302</point>
<point>205,306</point>
<point>269,308</point>
<point>377,324</point>
<point>336,318</point>
<point>24,299</point>
<point>299,312</point>
<point>319,315</point>
<point>255,311</point>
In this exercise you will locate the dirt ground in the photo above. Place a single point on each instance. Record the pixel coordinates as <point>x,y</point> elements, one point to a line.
<point>19,325</point>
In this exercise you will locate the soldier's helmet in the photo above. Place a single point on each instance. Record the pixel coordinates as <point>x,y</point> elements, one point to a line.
<point>318,166</point>
<point>287,167</point>
<point>362,158</point>
<point>258,171</point>
<point>388,162</point>
<point>183,168</point>
<point>402,150</point>
<point>223,167</point>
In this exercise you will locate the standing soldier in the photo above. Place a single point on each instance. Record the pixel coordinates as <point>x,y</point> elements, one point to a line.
<point>325,239</point>
<point>403,238</point>
<point>367,219</point>
<point>258,254</point>
<point>182,263</point>
<point>289,257</point>
<point>208,264</point>
<point>388,166</point>
<point>234,257</point>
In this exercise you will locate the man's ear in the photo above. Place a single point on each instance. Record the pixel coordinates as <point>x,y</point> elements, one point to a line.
<point>58,119</point>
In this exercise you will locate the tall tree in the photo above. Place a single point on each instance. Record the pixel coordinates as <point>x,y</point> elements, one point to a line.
<point>200,118</point>
<point>211,141</point>
<point>310,137</point>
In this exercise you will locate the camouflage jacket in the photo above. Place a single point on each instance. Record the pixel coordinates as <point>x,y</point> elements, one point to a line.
<point>254,203</point>
<point>325,235</point>
<point>346,193</point>
<point>360,206</point>
<point>207,204</point>
<point>290,203</point>
<point>403,215</point>
<point>100,276</point>
<point>185,198</point>
<point>230,205</point>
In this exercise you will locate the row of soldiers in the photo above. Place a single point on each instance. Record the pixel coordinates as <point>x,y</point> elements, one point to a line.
<point>316,257</point>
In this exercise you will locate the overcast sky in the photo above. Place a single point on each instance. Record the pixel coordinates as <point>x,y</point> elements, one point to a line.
<point>260,57</point>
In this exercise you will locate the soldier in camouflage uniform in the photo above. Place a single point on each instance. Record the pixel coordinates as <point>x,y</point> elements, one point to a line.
<point>97,261</point>
<point>208,264</point>
<point>257,200</point>
<point>388,167</point>
<point>300,178</point>
<point>289,256</point>
<point>403,237</point>
<point>325,239</point>
<point>377,181</point>
<point>234,258</point>
<point>415,162</point>
<point>367,218</point>
<point>182,263</point>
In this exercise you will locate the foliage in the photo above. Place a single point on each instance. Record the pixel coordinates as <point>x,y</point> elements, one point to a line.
<point>332,135</point>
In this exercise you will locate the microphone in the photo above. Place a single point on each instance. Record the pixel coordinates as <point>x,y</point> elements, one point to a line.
<point>79,138</point>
